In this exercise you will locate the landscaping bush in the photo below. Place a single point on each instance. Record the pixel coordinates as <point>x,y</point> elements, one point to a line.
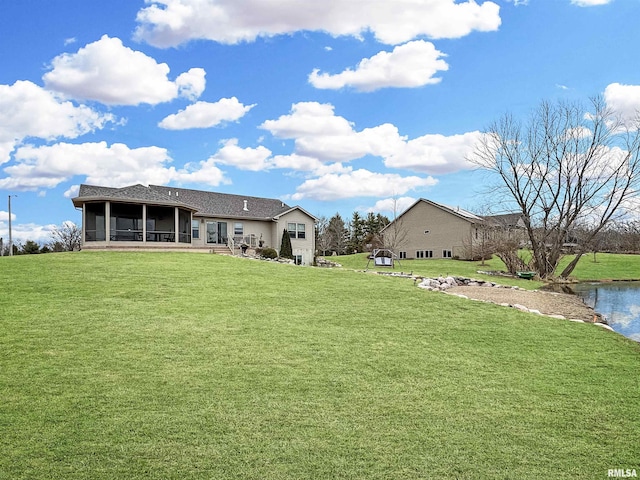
<point>286,251</point>
<point>269,253</point>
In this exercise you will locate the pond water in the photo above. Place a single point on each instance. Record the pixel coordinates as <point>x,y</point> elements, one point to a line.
<point>618,302</point>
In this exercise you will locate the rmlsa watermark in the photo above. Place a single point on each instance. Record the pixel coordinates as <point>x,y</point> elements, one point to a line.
<point>622,473</point>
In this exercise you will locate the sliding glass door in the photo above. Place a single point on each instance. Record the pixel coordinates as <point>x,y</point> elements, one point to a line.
<point>217,232</point>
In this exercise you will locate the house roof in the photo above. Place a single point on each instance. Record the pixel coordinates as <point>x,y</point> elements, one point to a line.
<point>467,215</point>
<point>131,194</point>
<point>202,203</point>
<point>505,219</point>
<point>456,211</point>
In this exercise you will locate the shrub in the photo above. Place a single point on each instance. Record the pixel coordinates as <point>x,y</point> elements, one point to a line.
<point>269,253</point>
<point>285,249</point>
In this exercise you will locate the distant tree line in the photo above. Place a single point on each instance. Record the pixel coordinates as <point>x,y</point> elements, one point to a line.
<point>64,238</point>
<point>359,234</point>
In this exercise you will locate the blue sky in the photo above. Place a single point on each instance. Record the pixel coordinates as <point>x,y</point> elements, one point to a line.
<point>335,106</point>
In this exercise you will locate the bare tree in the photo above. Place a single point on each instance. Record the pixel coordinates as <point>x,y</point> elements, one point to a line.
<point>323,239</point>
<point>68,236</point>
<point>563,167</point>
<point>395,233</point>
<point>338,234</point>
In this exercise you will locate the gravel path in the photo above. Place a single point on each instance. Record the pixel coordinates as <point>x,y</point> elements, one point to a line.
<point>548,303</point>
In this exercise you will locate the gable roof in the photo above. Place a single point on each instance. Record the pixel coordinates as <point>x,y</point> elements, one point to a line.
<point>467,215</point>
<point>506,220</point>
<point>296,208</point>
<point>202,203</point>
<point>456,211</point>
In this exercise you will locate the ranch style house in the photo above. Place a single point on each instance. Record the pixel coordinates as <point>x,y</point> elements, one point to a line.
<point>157,217</point>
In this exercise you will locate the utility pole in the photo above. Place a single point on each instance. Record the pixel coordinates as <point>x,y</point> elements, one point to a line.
<point>10,235</point>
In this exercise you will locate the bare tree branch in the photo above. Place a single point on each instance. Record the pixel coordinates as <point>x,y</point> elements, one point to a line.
<point>564,167</point>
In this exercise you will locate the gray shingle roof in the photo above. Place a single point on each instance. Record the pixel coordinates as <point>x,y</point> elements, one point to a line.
<point>225,204</point>
<point>505,220</point>
<point>205,204</point>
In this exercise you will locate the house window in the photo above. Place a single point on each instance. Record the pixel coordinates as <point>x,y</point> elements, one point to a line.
<point>298,259</point>
<point>238,229</point>
<point>428,253</point>
<point>446,253</point>
<point>420,254</point>
<point>296,230</point>
<point>195,228</point>
<point>403,255</point>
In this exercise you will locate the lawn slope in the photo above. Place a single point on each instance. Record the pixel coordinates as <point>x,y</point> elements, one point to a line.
<point>177,365</point>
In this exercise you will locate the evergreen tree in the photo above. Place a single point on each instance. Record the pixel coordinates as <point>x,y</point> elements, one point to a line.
<point>357,233</point>
<point>286,251</point>
<point>30,247</point>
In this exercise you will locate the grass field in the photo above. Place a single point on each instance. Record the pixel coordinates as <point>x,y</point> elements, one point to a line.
<point>186,366</point>
<point>606,266</point>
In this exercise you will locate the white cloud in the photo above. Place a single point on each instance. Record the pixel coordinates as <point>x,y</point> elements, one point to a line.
<point>206,114</point>
<point>4,216</point>
<point>359,183</point>
<point>624,99</point>
<point>204,173</point>
<point>393,205</point>
<point>21,232</point>
<point>191,83</point>
<point>167,23</point>
<point>435,153</point>
<point>413,64</point>
<point>308,119</point>
<point>320,134</point>
<point>108,72</point>
<point>116,165</point>
<point>303,163</point>
<point>27,110</point>
<point>253,159</point>
<point>72,191</point>
<point>297,162</point>
<point>590,3</point>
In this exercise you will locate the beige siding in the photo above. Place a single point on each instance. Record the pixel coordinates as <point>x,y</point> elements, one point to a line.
<point>445,232</point>
<point>300,246</point>
<point>250,228</point>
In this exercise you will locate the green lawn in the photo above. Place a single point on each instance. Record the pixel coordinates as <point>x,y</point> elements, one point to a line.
<point>606,266</point>
<point>186,366</point>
